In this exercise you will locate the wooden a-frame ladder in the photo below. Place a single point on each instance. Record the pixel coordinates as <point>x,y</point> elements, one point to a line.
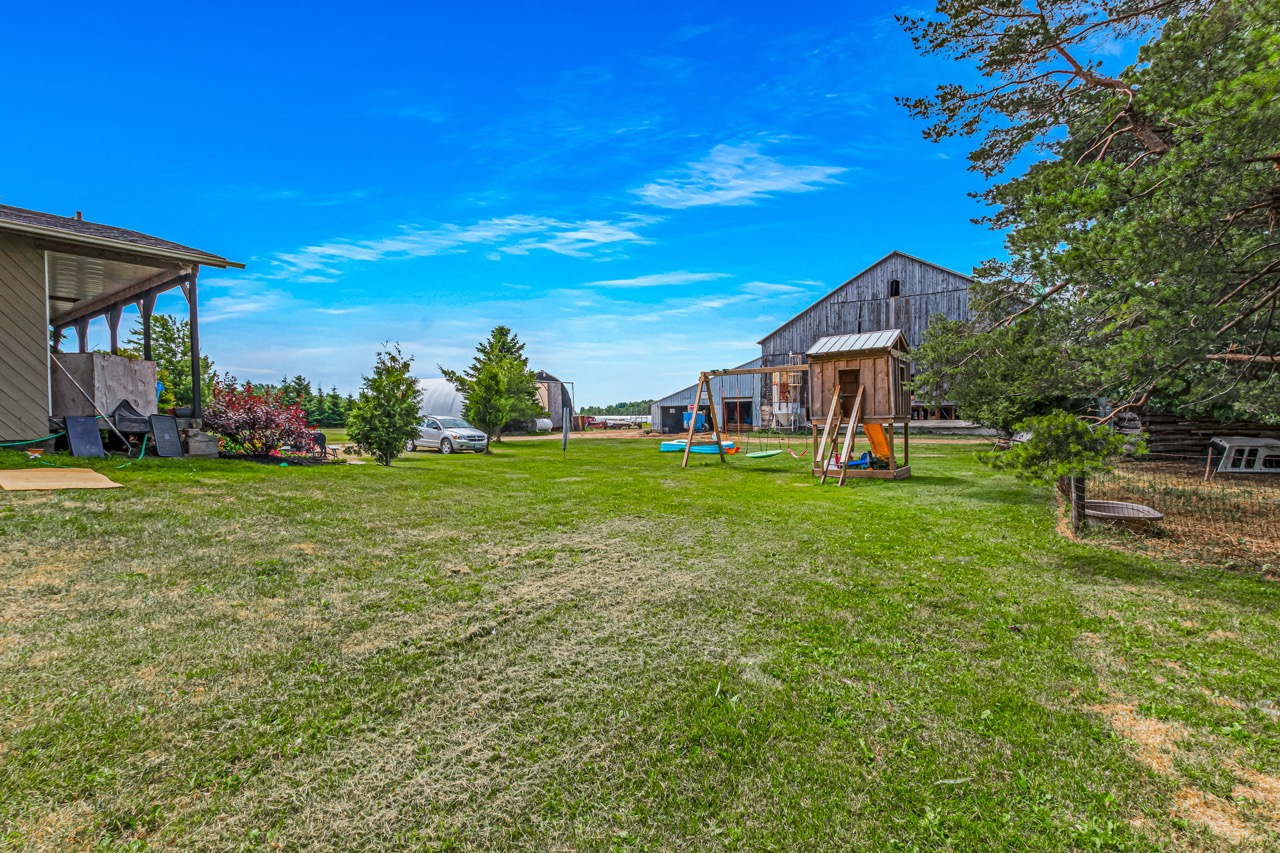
<point>825,452</point>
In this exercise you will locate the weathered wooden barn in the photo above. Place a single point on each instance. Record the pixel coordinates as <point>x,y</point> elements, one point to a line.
<point>898,291</point>
<point>58,273</point>
<point>554,397</point>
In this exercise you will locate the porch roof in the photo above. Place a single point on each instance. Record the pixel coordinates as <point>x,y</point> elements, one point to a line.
<point>92,267</point>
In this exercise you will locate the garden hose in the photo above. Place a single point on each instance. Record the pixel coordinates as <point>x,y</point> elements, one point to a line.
<point>32,441</point>
<point>142,451</point>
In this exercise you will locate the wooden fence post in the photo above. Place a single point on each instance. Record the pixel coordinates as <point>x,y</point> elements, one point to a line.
<point>1077,503</point>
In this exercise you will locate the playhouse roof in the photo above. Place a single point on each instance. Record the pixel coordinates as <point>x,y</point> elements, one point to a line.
<point>864,342</point>
<point>1246,441</point>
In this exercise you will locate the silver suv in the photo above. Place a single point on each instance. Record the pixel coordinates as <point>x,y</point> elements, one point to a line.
<point>448,435</point>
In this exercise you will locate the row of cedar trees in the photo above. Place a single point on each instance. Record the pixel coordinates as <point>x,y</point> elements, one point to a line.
<point>171,350</point>
<point>640,407</point>
<point>323,408</point>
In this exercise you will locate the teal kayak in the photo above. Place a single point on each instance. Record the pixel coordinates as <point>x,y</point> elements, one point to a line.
<point>678,447</point>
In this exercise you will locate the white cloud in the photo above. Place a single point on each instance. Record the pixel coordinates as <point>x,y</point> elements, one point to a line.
<point>513,234</point>
<point>1104,46</point>
<point>763,288</point>
<point>698,306</point>
<point>242,300</point>
<point>735,174</point>
<point>578,239</point>
<point>660,279</point>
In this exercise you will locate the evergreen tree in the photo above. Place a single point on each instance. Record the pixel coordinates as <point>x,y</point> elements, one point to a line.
<point>385,416</point>
<point>1141,237</point>
<point>489,400</point>
<point>503,350</point>
<point>171,351</point>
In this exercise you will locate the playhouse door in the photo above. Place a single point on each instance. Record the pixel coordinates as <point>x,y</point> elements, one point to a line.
<point>850,380</point>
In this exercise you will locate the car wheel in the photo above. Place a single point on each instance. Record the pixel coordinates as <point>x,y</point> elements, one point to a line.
<point>410,446</point>
<point>446,446</point>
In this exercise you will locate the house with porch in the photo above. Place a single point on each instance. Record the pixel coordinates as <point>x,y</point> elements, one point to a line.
<point>59,273</point>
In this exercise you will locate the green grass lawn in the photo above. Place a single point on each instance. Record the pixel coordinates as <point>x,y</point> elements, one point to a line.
<point>336,435</point>
<point>520,652</point>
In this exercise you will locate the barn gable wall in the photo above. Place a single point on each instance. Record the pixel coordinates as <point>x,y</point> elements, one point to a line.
<point>864,304</point>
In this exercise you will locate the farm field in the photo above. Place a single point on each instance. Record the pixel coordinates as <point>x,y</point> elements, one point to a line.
<point>605,652</point>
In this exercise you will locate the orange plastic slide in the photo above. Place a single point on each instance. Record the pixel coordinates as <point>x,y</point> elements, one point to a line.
<point>879,443</point>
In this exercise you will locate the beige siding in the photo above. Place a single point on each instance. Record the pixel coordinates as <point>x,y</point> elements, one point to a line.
<point>24,341</point>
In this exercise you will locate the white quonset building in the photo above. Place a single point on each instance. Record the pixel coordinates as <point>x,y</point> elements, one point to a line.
<point>898,291</point>
<point>440,398</point>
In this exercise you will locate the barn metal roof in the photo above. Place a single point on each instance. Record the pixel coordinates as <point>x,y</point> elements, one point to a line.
<point>719,384</point>
<point>886,339</point>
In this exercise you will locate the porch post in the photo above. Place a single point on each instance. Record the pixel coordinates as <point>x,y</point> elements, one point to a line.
<point>194,315</point>
<point>113,320</point>
<point>147,307</point>
<point>82,333</point>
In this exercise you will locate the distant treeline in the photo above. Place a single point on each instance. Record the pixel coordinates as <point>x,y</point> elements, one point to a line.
<point>639,408</point>
<point>323,408</point>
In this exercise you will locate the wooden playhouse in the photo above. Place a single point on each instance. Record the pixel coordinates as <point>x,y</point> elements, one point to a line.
<point>860,380</point>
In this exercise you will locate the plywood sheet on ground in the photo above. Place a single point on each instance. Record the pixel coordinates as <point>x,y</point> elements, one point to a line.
<point>28,479</point>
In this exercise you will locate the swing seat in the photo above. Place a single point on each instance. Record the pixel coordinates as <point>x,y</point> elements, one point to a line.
<point>799,455</point>
<point>763,454</point>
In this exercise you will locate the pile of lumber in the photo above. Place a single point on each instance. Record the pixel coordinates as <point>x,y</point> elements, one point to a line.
<point>1178,436</point>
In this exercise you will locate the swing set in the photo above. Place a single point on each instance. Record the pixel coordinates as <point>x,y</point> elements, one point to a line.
<point>758,444</point>
<point>866,378</point>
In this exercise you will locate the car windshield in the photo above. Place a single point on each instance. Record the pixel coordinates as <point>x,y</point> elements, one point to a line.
<point>455,423</point>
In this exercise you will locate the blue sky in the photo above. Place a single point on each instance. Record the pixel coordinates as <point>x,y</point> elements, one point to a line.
<point>641,190</point>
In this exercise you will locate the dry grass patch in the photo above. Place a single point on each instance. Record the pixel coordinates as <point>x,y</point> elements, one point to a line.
<point>623,655</point>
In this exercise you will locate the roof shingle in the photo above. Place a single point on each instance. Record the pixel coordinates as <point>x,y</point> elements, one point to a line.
<point>78,228</point>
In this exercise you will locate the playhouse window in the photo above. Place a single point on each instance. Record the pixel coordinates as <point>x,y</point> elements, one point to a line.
<point>1244,457</point>
<point>895,289</point>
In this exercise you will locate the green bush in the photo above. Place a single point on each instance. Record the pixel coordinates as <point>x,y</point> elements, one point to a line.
<point>386,414</point>
<point>1060,445</point>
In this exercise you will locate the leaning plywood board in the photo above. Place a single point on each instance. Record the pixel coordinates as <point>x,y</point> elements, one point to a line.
<point>36,479</point>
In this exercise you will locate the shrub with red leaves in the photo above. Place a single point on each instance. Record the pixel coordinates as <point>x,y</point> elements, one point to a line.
<point>255,422</point>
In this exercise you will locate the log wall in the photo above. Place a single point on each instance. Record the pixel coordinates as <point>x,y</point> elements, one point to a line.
<point>1178,436</point>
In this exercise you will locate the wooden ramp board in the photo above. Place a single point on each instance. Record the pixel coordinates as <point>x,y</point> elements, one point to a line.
<point>36,479</point>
